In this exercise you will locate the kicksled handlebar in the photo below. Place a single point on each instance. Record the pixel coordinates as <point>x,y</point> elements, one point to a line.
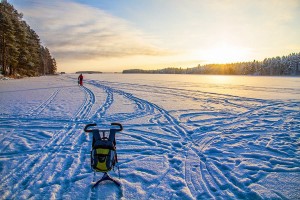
<point>112,124</point>
<point>87,126</point>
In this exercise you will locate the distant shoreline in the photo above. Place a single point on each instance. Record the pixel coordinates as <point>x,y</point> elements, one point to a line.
<point>88,72</point>
<point>297,75</point>
<point>277,66</point>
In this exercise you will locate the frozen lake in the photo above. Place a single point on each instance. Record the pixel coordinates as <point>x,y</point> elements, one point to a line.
<point>185,136</point>
<point>245,86</point>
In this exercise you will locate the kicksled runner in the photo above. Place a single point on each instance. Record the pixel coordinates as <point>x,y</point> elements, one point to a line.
<point>104,153</point>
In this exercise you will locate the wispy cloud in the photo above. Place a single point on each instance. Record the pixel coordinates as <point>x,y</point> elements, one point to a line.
<point>76,31</point>
<point>160,32</point>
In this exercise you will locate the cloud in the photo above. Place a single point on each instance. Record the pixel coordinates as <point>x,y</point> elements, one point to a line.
<point>173,31</point>
<point>76,31</point>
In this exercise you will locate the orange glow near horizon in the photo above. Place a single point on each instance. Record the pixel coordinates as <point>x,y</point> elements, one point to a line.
<point>226,54</point>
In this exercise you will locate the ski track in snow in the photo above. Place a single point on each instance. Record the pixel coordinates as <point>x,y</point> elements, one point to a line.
<point>215,147</point>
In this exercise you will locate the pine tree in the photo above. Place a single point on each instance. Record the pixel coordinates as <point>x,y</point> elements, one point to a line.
<point>9,49</point>
<point>20,48</point>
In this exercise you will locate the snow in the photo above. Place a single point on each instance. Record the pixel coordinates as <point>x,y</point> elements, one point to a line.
<point>184,137</point>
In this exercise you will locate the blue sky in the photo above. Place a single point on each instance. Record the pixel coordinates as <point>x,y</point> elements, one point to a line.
<point>112,35</point>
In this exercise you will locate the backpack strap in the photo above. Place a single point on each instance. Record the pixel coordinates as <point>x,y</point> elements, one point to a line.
<point>96,134</point>
<point>112,136</point>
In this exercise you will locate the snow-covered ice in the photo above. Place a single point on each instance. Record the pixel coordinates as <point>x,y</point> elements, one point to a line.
<point>184,137</point>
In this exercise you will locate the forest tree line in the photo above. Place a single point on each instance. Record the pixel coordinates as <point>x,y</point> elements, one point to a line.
<point>276,66</point>
<point>21,51</point>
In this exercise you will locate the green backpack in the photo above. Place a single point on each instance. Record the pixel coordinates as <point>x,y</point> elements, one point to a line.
<point>103,153</point>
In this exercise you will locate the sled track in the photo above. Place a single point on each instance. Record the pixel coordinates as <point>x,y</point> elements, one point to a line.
<point>206,176</point>
<point>140,112</point>
<point>86,107</point>
<point>41,107</point>
<point>27,173</point>
<point>99,114</point>
<point>203,154</point>
<point>31,114</point>
<point>173,123</point>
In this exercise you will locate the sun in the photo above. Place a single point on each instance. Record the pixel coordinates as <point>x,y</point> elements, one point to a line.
<point>226,54</point>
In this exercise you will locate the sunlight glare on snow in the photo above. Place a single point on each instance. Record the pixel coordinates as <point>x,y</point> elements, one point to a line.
<point>220,79</point>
